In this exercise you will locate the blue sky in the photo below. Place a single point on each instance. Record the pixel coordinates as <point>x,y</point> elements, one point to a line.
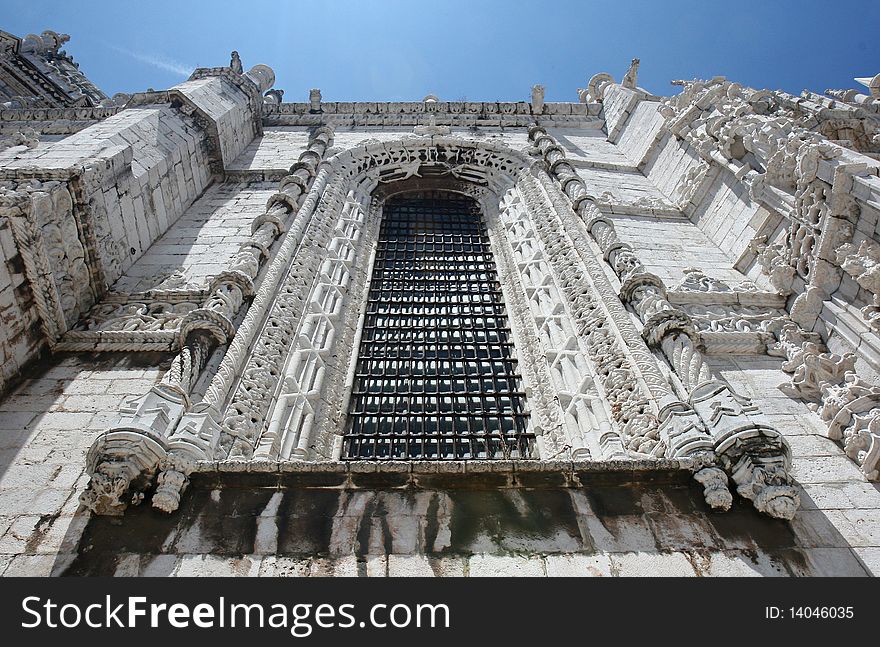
<point>480,50</point>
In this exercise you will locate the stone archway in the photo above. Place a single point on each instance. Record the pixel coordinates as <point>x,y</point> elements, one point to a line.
<point>280,391</point>
<point>302,357</point>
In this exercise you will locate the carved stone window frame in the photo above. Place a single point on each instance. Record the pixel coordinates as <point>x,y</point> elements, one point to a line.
<point>489,173</point>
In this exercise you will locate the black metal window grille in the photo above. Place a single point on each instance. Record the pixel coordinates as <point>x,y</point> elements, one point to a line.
<point>436,377</point>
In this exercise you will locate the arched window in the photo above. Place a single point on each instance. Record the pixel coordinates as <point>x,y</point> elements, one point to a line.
<point>436,375</point>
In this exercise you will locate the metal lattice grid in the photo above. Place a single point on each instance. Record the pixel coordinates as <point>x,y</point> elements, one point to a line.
<point>436,376</point>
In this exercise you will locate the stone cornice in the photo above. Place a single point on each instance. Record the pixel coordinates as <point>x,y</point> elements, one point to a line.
<point>434,474</point>
<point>452,113</point>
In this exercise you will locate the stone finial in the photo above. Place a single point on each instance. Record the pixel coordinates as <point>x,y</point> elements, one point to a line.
<point>537,99</point>
<point>315,100</point>
<point>872,83</point>
<point>596,86</point>
<point>235,63</point>
<point>632,74</point>
<point>117,100</point>
<point>54,40</point>
<point>263,76</point>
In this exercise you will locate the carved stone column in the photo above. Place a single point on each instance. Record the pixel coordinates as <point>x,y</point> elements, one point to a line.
<point>718,427</point>
<point>159,432</point>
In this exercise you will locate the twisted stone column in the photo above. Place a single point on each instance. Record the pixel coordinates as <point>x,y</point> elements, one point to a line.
<point>717,427</point>
<point>160,432</point>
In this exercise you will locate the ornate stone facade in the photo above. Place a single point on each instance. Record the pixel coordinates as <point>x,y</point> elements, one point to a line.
<point>689,283</point>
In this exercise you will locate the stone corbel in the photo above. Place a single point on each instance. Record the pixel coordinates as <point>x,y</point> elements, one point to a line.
<point>684,434</point>
<point>196,438</point>
<point>123,461</point>
<point>754,455</point>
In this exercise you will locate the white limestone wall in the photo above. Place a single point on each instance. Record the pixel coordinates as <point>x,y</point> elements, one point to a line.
<point>637,138</point>
<point>48,422</point>
<point>228,108</point>
<point>590,147</point>
<point>21,338</point>
<point>840,510</point>
<point>131,177</point>
<point>668,245</point>
<point>623,190</point>
<point>203,241</point>
<point>727,216</point>
<point>152,165</point>
<point>276,150</point>
<point>46,427</point>
<point>667,165</point>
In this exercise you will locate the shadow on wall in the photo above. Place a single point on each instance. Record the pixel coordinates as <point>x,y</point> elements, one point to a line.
<point>47,424</point>
<point>606,530</point>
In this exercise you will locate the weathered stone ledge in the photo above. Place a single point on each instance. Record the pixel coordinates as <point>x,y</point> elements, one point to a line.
<point>438,474</point>
<point>438,108</point>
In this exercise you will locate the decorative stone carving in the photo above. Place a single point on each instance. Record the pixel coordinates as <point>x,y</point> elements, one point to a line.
<point>690,184</point>
<point>738,125</point>
<point>431,128</point>
<point>561,388</point>
<point>863,264</point>
<point>808,218</point>
<point>289,433</point>
<point>618,371</point>
<point>715,487</point>
<point>123,461</point>
<point>273,97</point>
<point>135,315</point>
<point>754,454</point>
<point>807,306</point>
<point>772,259</point>
<point>171,482</point>
<point>695,280</point>
<point>813,370</point>
<point>235,63</point>
<point>315,100</point>
<point>147,432</point>
<point>47,231</point>
<point>683,433</point>
<point>837,396</point>
<point>596,86</point>
<point>708,318</point>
